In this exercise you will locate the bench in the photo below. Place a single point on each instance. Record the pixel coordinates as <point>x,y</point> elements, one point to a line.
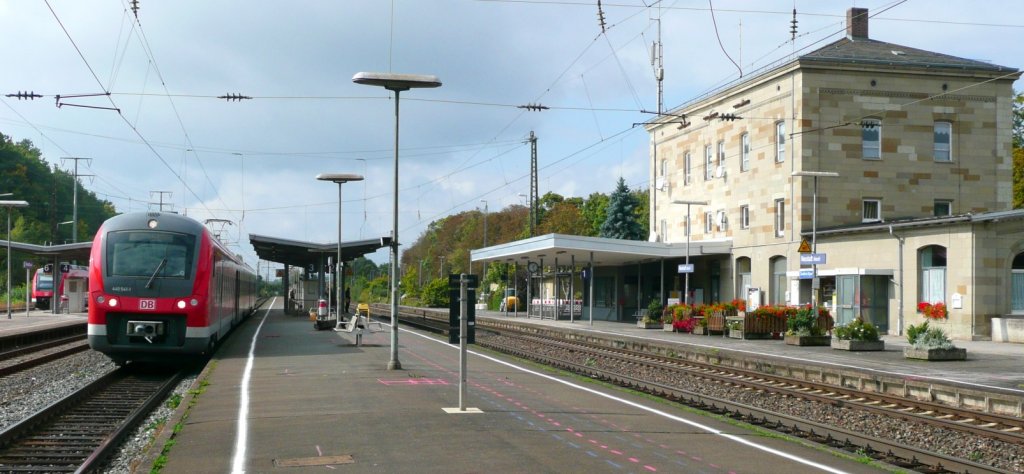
<point>356,325</point>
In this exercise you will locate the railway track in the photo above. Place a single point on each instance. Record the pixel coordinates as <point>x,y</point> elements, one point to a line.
<point>23,351</point>
<point>78,433</point>
<point>991,426</point>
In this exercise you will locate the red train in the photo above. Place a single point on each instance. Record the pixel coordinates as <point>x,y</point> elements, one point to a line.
<point>42,283</point>
<point>162,286</point>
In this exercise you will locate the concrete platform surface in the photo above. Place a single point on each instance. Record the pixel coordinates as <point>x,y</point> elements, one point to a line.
<point>311,400</point>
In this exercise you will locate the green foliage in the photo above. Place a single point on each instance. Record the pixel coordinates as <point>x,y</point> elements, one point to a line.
<point>621,221</point>
<point>654,311</point>
<point>435,293</point>
<point>933,338</point>
<point>914,332</point>
<point>803,323</point>
<point>857,330</point>
<point>1018,178</point>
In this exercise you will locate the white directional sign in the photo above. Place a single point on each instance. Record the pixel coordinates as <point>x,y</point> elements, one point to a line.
<point>685,268</point>
<point>812,259</point>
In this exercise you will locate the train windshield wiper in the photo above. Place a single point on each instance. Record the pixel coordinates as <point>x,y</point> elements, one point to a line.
<point>163,261</point>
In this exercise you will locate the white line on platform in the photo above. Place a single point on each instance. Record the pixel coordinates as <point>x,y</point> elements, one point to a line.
<point>655,411</point>
<point>242,429</point>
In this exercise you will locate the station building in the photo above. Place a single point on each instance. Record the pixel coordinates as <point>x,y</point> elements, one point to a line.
<point>893,163</point>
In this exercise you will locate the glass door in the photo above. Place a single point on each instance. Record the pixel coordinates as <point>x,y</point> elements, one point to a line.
<point>846,305</point>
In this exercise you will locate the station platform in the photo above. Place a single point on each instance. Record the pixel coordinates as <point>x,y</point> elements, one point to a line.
<point>990,365</point>
<point>280,396</point>
<point>38,320</point>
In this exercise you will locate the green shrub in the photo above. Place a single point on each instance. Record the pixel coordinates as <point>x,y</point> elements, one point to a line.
<point>435,293</point>
<point>857,330</point>
<point>933,338</point>
<point>803,323</point>
<point>913,332</point>
<point>654,311</point>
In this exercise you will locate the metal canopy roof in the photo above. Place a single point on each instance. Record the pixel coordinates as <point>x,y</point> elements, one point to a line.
<point>77,251</point>
<point>607,252</point>
<point>303,254</point>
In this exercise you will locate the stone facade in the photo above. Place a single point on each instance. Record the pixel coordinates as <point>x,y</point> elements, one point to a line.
<point>823,100</point>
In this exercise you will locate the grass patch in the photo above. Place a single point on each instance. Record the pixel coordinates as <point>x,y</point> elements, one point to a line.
<point>161,461</point>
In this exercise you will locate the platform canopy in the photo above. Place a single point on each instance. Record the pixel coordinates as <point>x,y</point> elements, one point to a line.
<point>64,252</point>
<point>606,252</point>
<point>304,254</point>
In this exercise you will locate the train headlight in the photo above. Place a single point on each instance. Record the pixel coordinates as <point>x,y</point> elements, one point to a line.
<point>112,302</point>
<point>181,304</point>
<point>194,302</point>
<point>152,223</point>
<point>100,299</point>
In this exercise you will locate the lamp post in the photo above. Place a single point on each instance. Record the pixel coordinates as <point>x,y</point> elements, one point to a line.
<point>814,228</point>
<point>9,205</point>
<point>686,279</point>
<point>395,83</point>
<point>340,179</point>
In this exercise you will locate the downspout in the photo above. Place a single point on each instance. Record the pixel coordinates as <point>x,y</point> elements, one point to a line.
<point>899,293</point>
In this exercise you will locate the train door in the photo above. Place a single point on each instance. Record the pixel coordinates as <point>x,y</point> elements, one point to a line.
<point>236,313</point>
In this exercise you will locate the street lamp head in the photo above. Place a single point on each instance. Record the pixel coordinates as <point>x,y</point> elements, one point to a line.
<point>339,177</point>
<point>13,203</point>
<point>396,82</point>
<point>695,203</point>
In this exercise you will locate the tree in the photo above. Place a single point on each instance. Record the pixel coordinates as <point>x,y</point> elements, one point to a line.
<point>1018,120</point>
<point>563,218</point>
<point>621,221</point>
<point>595,211</point>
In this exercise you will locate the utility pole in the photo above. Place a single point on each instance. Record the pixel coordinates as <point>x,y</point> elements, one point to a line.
<point>534,196</point>
<point>440,271</point>
<point>658,64</point>
<point>74,202</point>
<point>161,193</point>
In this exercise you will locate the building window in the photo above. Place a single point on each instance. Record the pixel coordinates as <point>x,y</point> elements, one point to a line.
<point>743,277</point>
<point>777,290</point>
<point>664,167</point>
<point>664,230</point>
<point>708,222</point>
<point>744,217</point>
<point>1017,284</point>
<point>780,217</point>
<point>686,224</point>
<point>721,159</point>
<point>721,221</point>
<point>943,141</point>
<point>687,163</point>
<point>943,208</point>
<point>709,166</point>
<point>780,141</point>
<point>932,274</point>
<point>871,139</point>
<point>872,210</point>
<point>745,152</point>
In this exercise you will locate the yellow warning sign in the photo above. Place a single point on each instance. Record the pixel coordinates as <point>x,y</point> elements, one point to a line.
<point>805,247</point>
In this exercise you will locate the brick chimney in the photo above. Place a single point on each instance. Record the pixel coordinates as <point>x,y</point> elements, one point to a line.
<point>857,23</point>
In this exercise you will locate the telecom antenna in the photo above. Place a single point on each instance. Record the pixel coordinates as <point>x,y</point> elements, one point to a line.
<point>534,196</point>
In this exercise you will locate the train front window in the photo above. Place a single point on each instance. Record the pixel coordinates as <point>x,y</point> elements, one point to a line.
<point>45,282</point>
<point>150,254</point>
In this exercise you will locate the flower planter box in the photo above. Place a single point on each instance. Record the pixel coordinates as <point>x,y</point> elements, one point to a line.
<point>668,327</point>
<point>736,333</point>
<point>699,330</point>
<point>851,345</point>
<point>652,325</point>
<point>955,353</point>
<point>808,340</point>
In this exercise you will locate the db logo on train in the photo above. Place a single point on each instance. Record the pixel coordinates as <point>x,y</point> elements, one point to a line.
<point>147,305</point>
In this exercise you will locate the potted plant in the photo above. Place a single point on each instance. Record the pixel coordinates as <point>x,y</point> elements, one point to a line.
<point>859,335</point>
<point>735,328</point>
<point>652,318</point>
<point>700,326</point>
<point>930,343</point>
<point>802,329</point>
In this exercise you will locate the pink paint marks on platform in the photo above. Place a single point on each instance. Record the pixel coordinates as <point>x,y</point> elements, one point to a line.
<point>420,381</point>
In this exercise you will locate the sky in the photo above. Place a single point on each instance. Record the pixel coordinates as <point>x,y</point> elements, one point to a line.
<point>254,161</point>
